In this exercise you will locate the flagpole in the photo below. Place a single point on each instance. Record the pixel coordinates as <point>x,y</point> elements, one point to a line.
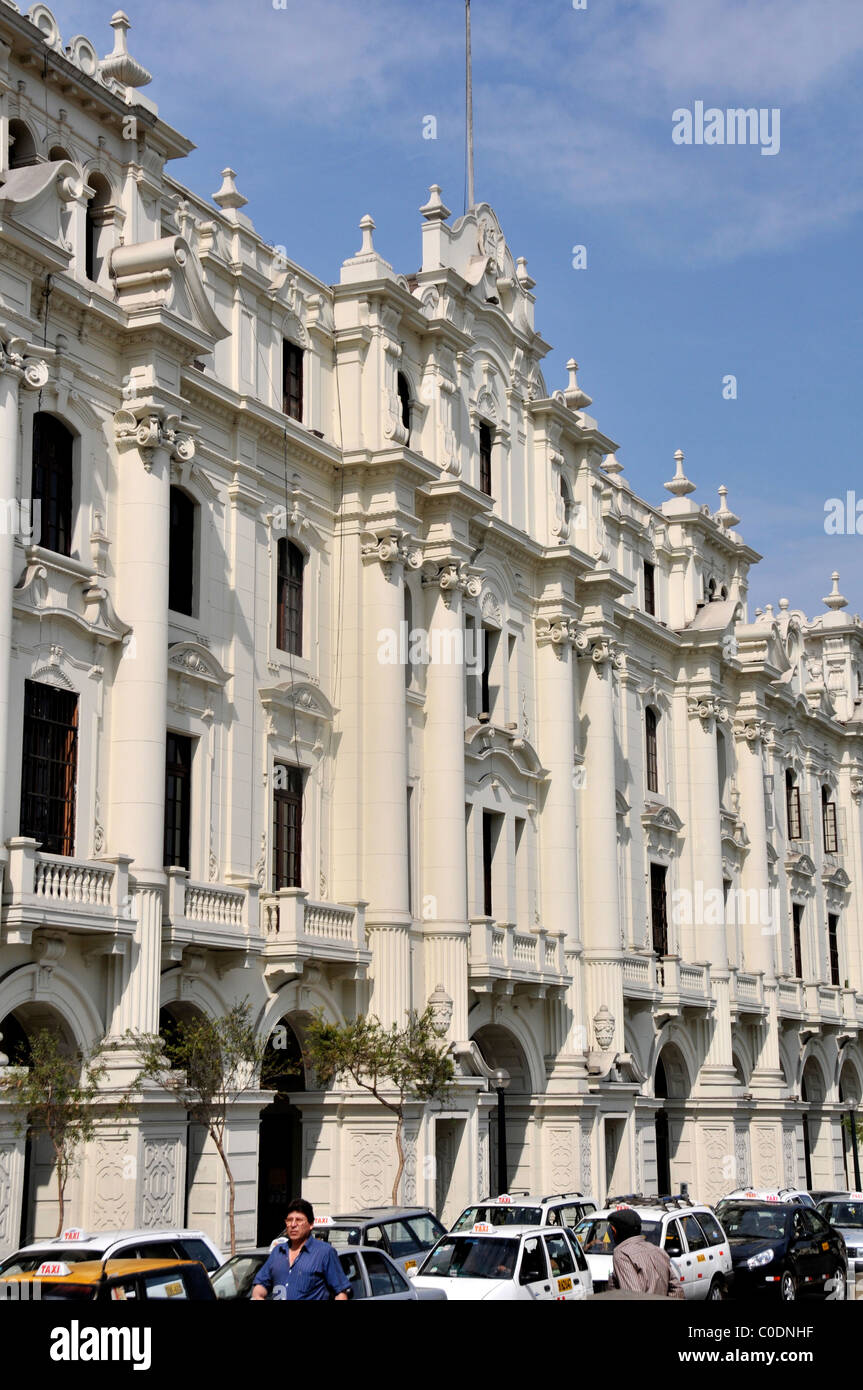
<point>469,80</point>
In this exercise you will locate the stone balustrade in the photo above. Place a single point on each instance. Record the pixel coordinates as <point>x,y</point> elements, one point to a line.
<point>503,958</point>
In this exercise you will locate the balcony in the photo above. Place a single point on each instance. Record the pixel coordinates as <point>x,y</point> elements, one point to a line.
<point>504,960</point>
<point>747,994</point>
<point>52,892</point>
<point>296,931</point>
<point>215,916</point>
<point>670,985</point>
<point>790,1000</point>
<point>824,1002</point>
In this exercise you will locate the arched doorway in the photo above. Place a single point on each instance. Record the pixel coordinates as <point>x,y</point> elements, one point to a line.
<point>671,1086</point>
<point>817,1146</point>
<point>849,1096</point>
<point>280,1153</point>
<point>171,1018</point>
<point>501,1049</point>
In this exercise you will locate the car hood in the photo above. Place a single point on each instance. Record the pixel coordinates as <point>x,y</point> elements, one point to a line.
<point>462,1289</point>
<point>744,1247</point>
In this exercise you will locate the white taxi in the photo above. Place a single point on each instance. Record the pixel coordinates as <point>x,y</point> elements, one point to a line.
<point>519,1262</point>
<point>690,1235</point>
<point>780,1194</point>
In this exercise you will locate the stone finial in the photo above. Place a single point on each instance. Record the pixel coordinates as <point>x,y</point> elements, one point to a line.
<point>680,484</point>
<point>784,605</point>
<point>834,600</point>
<point>120,64</point>
<point>526,280</point>
<point>768,612</point>
<point>435,209</point>
<point>603,1027</point>
<point>725,515</point>
<point>228,196</point>
<point>441,1006</point>
<point>611,463</point>
<point>367,227</point>
<point>575,398</point>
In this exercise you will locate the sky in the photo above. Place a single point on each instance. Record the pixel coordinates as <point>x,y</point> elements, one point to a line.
<point>704,261</point>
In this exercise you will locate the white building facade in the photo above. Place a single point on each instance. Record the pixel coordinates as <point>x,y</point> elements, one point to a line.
<point>621,851</point>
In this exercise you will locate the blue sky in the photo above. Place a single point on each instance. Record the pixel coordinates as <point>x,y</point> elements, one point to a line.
<point>702,261</point>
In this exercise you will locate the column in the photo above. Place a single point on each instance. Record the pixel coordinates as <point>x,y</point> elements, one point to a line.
<point>706,860</point>
<point>33,375</point>
<point>385,777</point>
<point>444,878</point>
<point>146,441</point>
<point>603,963</point>
<point>762,920</point>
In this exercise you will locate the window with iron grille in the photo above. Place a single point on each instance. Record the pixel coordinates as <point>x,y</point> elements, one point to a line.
<point>649,589</point>
<point>485,458</point>
<point>792,804</point>
<point>287,827</point>
<point>651,749</point>
<point>289,625</point>
<point>52,482</point>
<point>292,380</point>
<point>828,822</point>
<point>49,767</point>
<point>181,552</point>
<point>658,909</point>
<point>178,800</point>
<point>833,942</point>
<point>797,928</point>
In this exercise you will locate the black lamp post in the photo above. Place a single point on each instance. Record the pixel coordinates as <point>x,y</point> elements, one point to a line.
<point>500,1080</point>
<point>852,1116</point>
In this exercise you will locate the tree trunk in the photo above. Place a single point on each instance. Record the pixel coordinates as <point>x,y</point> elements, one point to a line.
<point>231,1192</point>
<point>61,1199</point>
<point>401,1153</point>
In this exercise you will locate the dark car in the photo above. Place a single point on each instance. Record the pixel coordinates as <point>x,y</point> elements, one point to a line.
<point>372,1274</point>
<point>783,1250</point>
<point>406,1234</point>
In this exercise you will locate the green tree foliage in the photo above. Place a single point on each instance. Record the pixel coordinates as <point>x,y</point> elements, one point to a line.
<point>395,1065</point>
<point>206,1064</point>
<point>58,1094</point>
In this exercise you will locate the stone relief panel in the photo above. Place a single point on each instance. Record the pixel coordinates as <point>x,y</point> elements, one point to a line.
<point>562,1168</point>
<point>409,1181</point>
<point>160,1164</point>
<point>372,1156</point>
<point>482,1177</point>
<point>114,1185</point>
<point>717,1154</point>
<point>742,1166</point>
<point>586,1173</point>
<point>6,1155</point>
<point>788,1160</point>
<point>766,1157</point>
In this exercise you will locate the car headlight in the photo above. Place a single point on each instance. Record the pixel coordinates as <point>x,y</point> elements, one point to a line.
<point>762,1258</point>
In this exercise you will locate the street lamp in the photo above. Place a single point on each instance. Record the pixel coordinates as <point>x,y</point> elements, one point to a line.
<point>500,1081</point>
<point>852,1116</point>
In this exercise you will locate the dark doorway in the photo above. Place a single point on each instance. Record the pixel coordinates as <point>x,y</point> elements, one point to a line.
<point>280,1153</point>
<point>807,1146</point>
<point>663,1154</point>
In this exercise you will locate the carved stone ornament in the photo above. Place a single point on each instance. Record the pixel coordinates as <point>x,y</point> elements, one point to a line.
<point>455,576</point>
<point>748,729</point>
<point>441,1006</point>
<point>148,428</point>
<point>390,548</point>
<point>15,359</point>
<point>706,707</point>
<point>603,1027</point>
<point>601,650</point>
<point>558,631</point>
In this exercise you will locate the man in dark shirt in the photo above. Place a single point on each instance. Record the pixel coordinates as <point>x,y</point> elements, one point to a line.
<point>301,1267</point>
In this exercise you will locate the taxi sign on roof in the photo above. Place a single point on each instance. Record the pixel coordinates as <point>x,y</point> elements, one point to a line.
<point>52,1269</point>
<point>481,1227</point>
<point>323,1221</point>
<point>72,1233</point>
<point>504,1198</point>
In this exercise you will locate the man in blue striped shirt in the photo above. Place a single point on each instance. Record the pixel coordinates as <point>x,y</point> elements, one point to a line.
<point>301,1267</point>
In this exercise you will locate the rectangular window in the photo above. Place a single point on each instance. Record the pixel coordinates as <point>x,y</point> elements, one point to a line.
<point>797,927</point>
<point>474,657</point>
<point>828,820</point>
<point>792,798</point>
<point>292,380</point>
<point>287,827</point>
<point>181,553</point>
<point>52,482</point>
<point>289,616</point>
<point>650,589</point>
<point>485,458</point>
<point>521,874</point>
<point>491,825</point>
<point>178,800</point>
<point>833,941</point>
<point>651,749</point>
<point>410,849</point>
<point>658,909</point>
<point>49,767</point>
<point>488,690</point>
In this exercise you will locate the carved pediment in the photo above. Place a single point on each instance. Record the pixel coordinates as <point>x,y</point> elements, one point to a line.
<point>661,817</point>
<point>488,742</point>
<point>194,661</point>
<point>33,200</point>
<point>152,276</point>
<point>54,587</point>
<point>299,697</point>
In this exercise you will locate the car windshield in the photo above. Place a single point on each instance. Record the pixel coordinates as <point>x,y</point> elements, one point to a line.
<point>652,1231</point>
<point>843,1213</point>
<point>339,1235</point>
<point>472,1257</point>
<point>594,1237</point>
<point>24,1264</point>
<point>236,1277</point>
<point>499,1216</point>
<point>761,1223</point>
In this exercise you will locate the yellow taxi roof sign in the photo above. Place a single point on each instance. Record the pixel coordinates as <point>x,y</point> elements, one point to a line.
<point>481,1227</point>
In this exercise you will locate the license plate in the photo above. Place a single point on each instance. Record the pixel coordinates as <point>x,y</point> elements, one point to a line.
<point>410,1264</point>
<point>825,1245</point>
<point>564,1286</point>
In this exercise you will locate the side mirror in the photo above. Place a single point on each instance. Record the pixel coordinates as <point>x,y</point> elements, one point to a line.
<point>672,1251</point>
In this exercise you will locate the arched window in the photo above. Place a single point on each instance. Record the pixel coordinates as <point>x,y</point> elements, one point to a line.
<point>22,146</point>
<point>181,562</point>
<point>828,822</point>
<point>721,765</point>
<point>404,394</point>
<point>651,748</point>
<point>52,483</point>
<point>98,227</point>
<point>56,153</point>
<point>792,806</point>
<point>291,564</point>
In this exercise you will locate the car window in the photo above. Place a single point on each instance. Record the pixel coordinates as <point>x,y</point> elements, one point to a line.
<point>72,1292</point>
<point>761,1222</point>
<point>494,1215</point>
<point>237,1276</point>
<point>351,1270</point>
<point>426,1231</point>
<point>577,1251</point>
<point>401,1240</point>
<point>552,1217</point>
<point>340,1236</point>
<point>843,1213</point>
<point>124,1290</point>
<point>672,1239</point>
<point>24,1264</point>
<point>533,1266</point>
<point>148,1250</point>
<point>711,1228</point>
<point>472,1257</point>
<point>652,1231</point>
<point>571,1215</point>
<point>560,1257</point>
<point>799,1226</point>
<point>373,1235</point>
<point>383,1279</point>
<point>165,1284</point>
<point>695,1237</point>
<point>594,1237</point>
<point>192,1249</point>
<point>817,1223</point>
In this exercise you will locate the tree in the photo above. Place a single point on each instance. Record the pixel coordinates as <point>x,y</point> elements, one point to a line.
<point>206,1064</point>
<point>411,1061</point>
<point>59,1094</point>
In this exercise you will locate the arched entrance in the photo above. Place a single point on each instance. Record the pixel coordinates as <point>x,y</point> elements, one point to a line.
<point>280,1170</point>
<point>171,1018</point>
<point>817,1146</point>
<point>849,1096</point>
<point>671,1086</point>
<point>502,1049</point>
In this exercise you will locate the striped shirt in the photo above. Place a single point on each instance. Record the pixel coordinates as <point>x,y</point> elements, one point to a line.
<point>643,1268</point>
<point>315,1274</point>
